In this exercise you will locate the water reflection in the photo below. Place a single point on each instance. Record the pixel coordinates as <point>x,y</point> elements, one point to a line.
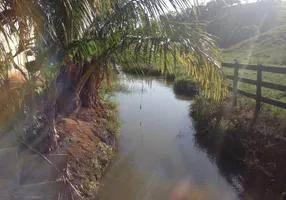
<point>157,156</point>
<point>247,183</point>
<point>228,168</point>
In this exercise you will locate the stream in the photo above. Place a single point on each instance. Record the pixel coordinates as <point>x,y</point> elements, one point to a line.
<point>157,155</point>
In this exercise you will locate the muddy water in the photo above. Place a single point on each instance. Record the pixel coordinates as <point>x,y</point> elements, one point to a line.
<point>157,157</point>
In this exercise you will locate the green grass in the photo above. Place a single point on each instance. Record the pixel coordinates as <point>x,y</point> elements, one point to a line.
<point>184,86</point>
<point>114,123</point>
<point>146,70</point>
<point>270,93</point>
<point>112,85</point>
<point>268,48</point>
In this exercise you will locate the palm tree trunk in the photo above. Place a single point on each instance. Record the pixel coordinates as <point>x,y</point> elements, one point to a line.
<point>52,97</point>
<point>89,94</point>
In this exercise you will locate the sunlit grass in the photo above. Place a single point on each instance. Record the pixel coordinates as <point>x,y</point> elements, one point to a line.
<point>269,49</point>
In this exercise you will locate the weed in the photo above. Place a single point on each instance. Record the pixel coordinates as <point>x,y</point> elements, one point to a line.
<point>113,120</point>
<point>113,84</point>
<point>226,124</point>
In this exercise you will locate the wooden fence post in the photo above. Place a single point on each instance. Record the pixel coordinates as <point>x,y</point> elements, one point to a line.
<point>235,81</point>
<point>258,88</point>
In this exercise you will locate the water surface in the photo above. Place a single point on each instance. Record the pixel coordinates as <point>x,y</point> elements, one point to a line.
<point>157,156</point>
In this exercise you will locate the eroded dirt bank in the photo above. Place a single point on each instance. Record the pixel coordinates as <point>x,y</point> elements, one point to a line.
<point>90,141</point>
<point>88,137</point>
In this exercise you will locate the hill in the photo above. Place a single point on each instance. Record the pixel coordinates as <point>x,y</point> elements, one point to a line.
<point>234,24</point>
<point>268,48</point>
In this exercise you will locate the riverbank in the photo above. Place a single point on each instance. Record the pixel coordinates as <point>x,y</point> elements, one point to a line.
<point>89,137</point>
<point>247,151</point>
<point>90,142</point>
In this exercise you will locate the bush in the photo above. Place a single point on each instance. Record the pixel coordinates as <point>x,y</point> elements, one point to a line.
<point>206,112</point>
<point>241,147</point>
<point>186,87</point>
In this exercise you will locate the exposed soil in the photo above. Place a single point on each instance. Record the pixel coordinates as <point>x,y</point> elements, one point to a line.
<point>90,147</point>
<point>87,138</point>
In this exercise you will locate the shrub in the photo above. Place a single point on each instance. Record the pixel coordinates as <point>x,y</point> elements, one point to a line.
<point>235,142</point>
<point>206,112</point>
<point>187,87</point>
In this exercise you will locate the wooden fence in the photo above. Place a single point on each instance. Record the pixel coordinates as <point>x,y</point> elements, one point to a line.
<point>258,82</point>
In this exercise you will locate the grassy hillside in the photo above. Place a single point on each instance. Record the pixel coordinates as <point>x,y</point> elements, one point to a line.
<point>268,48</point>
<point>236,23</point>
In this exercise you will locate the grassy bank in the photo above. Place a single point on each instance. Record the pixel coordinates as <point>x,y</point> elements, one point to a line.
<point>141,69</point>
<point>250,150</point>
<point>183,85</point>
<point>146,70</point>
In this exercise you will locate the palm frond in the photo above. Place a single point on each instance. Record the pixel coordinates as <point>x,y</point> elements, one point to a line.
<point>88,31</point>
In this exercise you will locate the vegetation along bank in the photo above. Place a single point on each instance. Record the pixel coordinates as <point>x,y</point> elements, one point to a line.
<point>249,148</point>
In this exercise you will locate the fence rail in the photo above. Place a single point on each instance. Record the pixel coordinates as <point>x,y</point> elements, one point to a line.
<point>263,84</point>
<point>272,69</point>
<point>258,83</point>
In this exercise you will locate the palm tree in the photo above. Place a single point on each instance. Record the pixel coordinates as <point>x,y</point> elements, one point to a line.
<point>84,38</point>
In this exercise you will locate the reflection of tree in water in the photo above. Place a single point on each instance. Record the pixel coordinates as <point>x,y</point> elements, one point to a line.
<point>229,168</point>
<point>247,183</point>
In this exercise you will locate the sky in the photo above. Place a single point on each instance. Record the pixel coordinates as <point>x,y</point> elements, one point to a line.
<point>206,1</point>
